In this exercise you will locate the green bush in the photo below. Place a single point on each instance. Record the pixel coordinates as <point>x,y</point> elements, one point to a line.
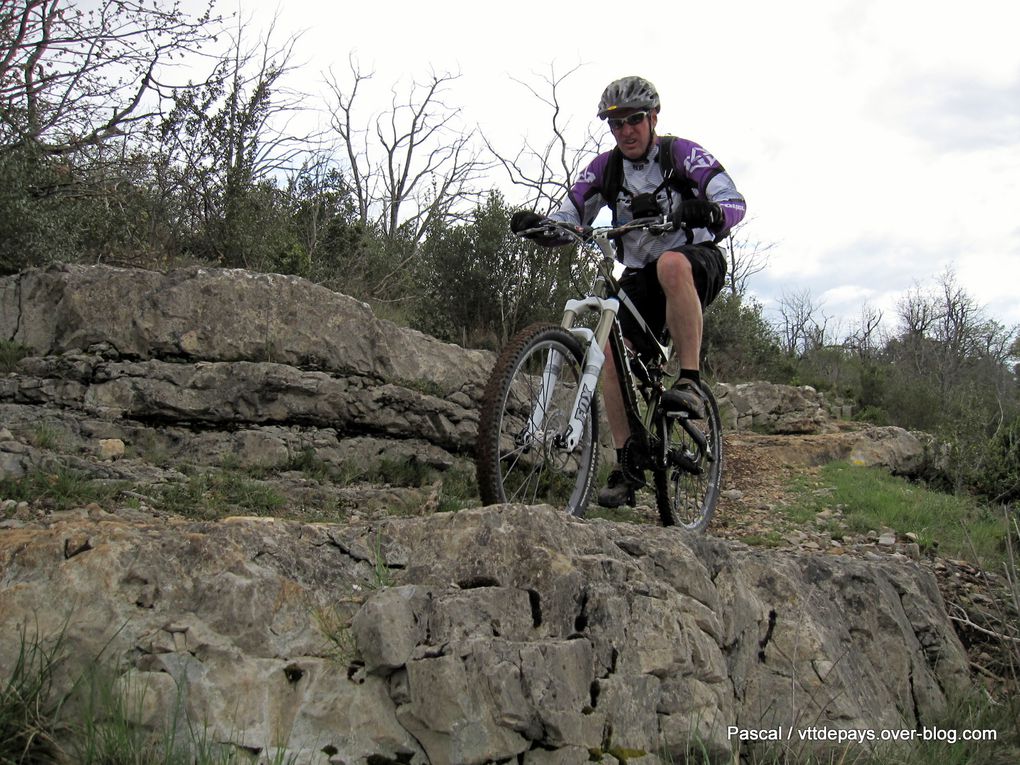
<point>999,468</point>
<point>738,344</point>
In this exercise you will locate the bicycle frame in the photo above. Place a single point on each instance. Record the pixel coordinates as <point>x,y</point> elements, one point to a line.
<point>539,431</point>
<point>606,299</point>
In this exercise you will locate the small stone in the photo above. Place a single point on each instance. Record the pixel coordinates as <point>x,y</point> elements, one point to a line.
<point>887,540</point>
<point>913,550</point>
<point>111,448</point>
<point>733,494</point>
<point>190,342</point>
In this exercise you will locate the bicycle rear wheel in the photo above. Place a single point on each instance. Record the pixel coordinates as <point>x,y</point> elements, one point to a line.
<point>520,454</point>
<point>688,480</point>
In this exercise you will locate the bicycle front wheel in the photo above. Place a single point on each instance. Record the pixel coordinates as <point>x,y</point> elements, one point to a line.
<point>689,466</point>
<point>521,453</point>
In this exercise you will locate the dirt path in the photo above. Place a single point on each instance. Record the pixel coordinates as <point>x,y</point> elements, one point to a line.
<point>758,474</point>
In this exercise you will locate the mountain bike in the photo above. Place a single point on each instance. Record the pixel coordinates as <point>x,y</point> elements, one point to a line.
<point>538,434</point>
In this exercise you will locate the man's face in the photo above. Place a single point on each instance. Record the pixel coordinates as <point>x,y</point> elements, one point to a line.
<point>632,139</point>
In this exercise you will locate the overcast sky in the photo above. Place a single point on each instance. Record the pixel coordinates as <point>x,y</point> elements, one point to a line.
<point>876,141</point>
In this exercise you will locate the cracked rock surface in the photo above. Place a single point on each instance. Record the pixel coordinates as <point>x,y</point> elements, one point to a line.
<point>499,632</point>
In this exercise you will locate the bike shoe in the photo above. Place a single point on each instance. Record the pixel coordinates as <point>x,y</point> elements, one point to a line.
<point>619,490</point>
<point>685,396</point>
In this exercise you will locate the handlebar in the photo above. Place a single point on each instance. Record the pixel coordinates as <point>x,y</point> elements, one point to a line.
<point>554,228</point>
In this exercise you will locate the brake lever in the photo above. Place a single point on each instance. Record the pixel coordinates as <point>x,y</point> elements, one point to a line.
<point>550,231</point>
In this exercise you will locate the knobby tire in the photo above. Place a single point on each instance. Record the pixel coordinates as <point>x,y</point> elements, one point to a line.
<point>687,487</point>
<point>512,466</point>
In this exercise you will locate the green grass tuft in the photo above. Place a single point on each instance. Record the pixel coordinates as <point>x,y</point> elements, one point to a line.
<point>871,499</point>
<point>212,495</point>
<point>10,354</point>
<point>28,706</point>
<point>61,489</point>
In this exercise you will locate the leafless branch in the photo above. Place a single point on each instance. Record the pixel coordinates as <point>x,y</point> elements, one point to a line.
<point>547,172</point>
<point>72,77</point>
<point>747,257</point>
<point>803,326</point>
<point>411,165</point>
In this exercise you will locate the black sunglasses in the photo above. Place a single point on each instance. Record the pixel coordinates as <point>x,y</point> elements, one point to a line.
<point>617,123</point>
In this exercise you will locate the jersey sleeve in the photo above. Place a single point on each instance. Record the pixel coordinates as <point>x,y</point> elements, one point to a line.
<point>584,200</point>
<point>710,179</point>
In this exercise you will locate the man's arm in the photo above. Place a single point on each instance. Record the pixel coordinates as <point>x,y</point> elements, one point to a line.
<point>711,180</point>
<point>584,200</point>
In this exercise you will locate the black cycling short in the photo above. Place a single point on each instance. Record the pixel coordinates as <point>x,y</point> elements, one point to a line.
<point>708,265</point>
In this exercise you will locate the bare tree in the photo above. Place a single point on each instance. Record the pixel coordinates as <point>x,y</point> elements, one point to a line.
<point>917,312</point>
<point>231,134</point>
<point>747,257</point>
<point>238,120</point>
<point>947,338</point>
<point>72,77</point>
<point>864,338</point>
<point>803,326</point>
<point>547,171</point>
<point>412,165</point>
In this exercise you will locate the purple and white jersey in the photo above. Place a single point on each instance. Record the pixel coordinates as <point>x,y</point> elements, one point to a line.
<point>708,179</point>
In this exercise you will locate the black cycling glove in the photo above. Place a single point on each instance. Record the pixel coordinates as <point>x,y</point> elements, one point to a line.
<point>547,235</point>
<point>522,220</point>
<point>698,213</point>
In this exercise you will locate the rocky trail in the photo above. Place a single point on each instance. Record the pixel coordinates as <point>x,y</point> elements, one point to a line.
<point>760,471</point>
<point>236,465</point>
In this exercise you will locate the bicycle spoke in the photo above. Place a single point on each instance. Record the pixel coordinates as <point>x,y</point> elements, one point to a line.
<point>537,379</point>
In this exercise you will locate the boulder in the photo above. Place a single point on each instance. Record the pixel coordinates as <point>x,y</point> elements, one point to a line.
<point>769,408</point>
<point>208,314</point>
<point>894,449</point>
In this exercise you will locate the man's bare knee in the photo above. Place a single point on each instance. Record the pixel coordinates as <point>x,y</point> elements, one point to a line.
<point>674,270</point>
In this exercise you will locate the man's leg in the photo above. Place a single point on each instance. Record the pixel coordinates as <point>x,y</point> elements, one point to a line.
<point>683,307</point>
<point>619,490</point>
<point>684,319</point>
<point>613,400</point>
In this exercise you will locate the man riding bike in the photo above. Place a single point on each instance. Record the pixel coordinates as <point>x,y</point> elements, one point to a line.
<point>672,277</point>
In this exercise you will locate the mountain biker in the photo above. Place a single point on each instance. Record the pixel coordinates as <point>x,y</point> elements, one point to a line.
<point>672,277</point>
